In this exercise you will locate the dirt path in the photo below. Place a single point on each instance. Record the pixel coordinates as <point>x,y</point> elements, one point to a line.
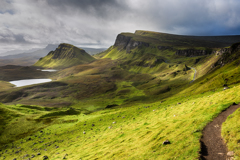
<point>212,144</point>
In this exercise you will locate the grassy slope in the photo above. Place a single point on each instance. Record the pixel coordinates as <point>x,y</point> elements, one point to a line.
<point>230,133</point>
<point>137,134</point>
<point>80,58</point>
<point>148,115</point>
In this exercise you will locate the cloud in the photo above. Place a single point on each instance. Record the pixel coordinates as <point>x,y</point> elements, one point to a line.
<point>27,23</point>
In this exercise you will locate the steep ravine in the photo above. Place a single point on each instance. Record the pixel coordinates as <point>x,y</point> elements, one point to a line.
<point>212,144</point>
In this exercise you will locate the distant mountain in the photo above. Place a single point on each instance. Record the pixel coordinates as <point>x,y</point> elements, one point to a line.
<point>93,51</point>
<point>64,56</point>
<point>140,44</point>
<point>37,53</point>
<point>27,58</point>
<point>17,51</point>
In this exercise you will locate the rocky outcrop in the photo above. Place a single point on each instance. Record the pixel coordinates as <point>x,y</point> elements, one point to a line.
<point>133,44</point>
<point>128,43</point>
<point>221,51</point>
<point>122,41</point>
<point>192,52</point>
<point>228,55</point>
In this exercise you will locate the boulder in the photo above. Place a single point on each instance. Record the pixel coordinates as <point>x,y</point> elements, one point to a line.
<point>230,154</point>
<point>225,88</point>
<point>166,142</point>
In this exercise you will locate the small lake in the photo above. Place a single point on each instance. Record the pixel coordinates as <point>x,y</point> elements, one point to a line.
<point>26,82</point>
<point>48,70</point>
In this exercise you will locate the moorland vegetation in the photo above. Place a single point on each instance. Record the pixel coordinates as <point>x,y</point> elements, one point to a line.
<point>123,103</point>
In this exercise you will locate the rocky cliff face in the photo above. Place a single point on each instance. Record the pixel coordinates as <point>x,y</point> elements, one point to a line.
<point>128,43</point>
<point>192,52</point>
<point>221,51</point>
<point>228,55</point>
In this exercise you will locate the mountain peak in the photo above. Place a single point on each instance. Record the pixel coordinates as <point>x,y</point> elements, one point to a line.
<point>65,55</point>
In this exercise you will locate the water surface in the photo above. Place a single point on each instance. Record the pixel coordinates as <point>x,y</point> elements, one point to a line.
<point>49,70</point>
<point>25,82</point>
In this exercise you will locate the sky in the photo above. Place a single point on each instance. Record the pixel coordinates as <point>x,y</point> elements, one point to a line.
<point>26,24</point>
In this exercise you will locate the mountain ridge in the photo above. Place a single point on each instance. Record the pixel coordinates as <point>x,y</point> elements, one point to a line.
<point>138,91</point>
<point>64,56</point>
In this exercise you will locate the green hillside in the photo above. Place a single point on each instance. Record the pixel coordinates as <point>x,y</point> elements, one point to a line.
<point>147,88</point>
<point>64,56</point>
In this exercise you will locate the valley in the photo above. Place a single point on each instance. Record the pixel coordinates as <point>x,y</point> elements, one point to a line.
<point>124,102</point>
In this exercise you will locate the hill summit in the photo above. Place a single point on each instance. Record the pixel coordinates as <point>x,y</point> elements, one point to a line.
<point>64,56</point>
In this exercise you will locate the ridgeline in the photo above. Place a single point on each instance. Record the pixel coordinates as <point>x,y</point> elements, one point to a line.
<point>132,101</point>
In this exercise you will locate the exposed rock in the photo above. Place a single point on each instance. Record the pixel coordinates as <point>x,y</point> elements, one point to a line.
<point>126,42</point>
<point>225,88</point>
<point>230,154</point>
<point>84,132</point>
<point>133,44</point>
<point>122,41</point>
<point>166,142</point>
<point>221,51</point>
<point>45,157</point>
<point>228,55</point>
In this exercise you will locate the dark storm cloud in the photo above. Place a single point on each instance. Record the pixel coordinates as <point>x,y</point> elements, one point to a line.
<point>12,39</point>
<point>97,22</point>
<point>84,4</point>
<point>100,8</point>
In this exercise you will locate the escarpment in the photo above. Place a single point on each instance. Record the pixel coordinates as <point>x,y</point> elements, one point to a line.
<point>228,55</point>
<point>128,43</point>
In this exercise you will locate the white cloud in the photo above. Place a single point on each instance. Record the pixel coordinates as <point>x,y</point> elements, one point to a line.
<point>27,23</point>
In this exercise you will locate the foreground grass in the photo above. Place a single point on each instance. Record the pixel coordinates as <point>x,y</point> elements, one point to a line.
<point>230,133</point>
<point>135,132</point>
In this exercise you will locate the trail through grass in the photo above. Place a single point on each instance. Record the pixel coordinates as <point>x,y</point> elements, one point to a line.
<point>129,133</point>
